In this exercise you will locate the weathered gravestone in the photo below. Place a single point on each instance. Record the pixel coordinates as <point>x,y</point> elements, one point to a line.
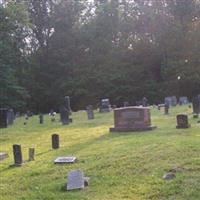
<point>76,180</point>
<point>174,100</point>
<point>126,104</point>
<point>3,118</point>
<point>144,101</point>
<point>90,112</point>
<point>10,116</point>
<point>67,104</point>
<point>64,115</point>
<point>196,105</point>
<point>132,119</point>
<point>183,100</point>
<point>55,141</point>
<point>31,154</point>
<point>182,121</point>
<point>17,152</point>
<point>105,106</point>
<point>3,155</point>
<point>166,109</point>
<point>65,160</point>
<point>41,118</point>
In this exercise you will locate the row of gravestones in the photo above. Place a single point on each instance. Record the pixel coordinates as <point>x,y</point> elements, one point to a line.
<point>76,178</point>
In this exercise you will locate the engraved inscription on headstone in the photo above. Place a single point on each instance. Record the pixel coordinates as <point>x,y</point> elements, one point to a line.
<point>63,160</point>
<point>75,180</point>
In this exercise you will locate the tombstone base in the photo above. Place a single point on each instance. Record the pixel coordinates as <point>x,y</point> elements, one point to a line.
<point>149,128</point>
<point>16,165</point>
<point>183,127</point>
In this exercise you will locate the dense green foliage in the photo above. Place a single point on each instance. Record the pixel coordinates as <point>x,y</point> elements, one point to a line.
<point>120,49</point>
<point>120,166</point>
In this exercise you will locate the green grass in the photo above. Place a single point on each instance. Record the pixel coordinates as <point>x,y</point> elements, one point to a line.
<point>120,166</point>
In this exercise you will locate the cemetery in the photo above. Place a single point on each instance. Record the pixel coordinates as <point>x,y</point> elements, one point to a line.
<point>99,100</point>
<point>55,161</point>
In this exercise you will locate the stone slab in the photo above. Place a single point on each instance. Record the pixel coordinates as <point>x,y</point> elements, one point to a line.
<point>65,160</point>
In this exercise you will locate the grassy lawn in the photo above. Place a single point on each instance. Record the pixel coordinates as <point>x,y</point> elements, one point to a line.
<point>120,166</point>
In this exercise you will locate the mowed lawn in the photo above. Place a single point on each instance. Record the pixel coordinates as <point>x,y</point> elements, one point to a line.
<point>120,166</point>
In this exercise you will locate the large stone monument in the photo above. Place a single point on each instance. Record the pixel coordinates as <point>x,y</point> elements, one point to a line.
<point>132,119</point>
<point>3,118</point>
<point>105,106</point>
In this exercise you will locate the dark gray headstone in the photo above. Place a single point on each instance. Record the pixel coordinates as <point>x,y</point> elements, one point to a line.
<point>41,118</point>
<point>3,155</point>
<point>31,154</point>
<point>65,160</point>
<point>3,118</point>
<point>144,102</point>
<point>55,141</point>
<point>17,155</point>
<point>75,180</point>
<point>67,104</point>
<point>182,121</point>
<point>105,105</point>
<point>90,112</point>
<point>64,115</point>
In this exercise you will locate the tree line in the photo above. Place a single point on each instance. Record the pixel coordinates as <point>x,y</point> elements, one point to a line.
<point>117,49</point>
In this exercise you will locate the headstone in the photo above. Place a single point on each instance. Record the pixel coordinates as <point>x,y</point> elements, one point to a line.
<point>174,100</point>
<point>132,119</point>
<point>105,106</point>
<point>90,112</point>
<point>183,100</point>
<point>17,155</point>
<point>3,155</point>
<point>64,115</point>
<point>55,141</point>
<point>182,121</point>
<point>126,104</point>
<point>196,105</point>
<point>41,118</point>
<point>31,154</point>
<point>75,180</point>
<point>67,104</point>
<point>3,118</point>
<point>166,109</point>
<point>144,102</point>
<point>65,160</point>
<point>10,116</point>
<point>168,101</point>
